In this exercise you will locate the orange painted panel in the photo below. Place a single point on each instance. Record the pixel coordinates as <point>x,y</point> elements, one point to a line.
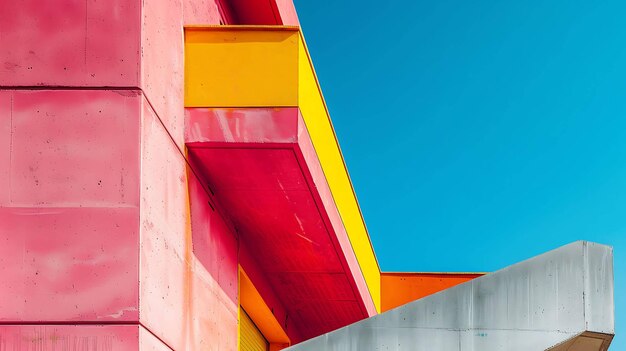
<point>401,288</point>
<point>262,315</point>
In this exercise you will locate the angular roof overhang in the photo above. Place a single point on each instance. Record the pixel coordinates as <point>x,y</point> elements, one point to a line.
<point>264,172</point>
<point>259,135</point>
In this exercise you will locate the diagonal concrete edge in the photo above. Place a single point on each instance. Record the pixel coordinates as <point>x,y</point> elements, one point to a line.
<point>560,300</point>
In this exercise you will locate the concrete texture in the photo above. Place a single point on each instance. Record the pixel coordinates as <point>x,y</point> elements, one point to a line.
<point>563,296</point>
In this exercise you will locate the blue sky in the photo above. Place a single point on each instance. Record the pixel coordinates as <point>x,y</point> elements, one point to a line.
<point>479,133</point>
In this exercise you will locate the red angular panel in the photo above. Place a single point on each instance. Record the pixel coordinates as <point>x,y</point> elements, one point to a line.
<point>214,244</point>
<point>263,170</point>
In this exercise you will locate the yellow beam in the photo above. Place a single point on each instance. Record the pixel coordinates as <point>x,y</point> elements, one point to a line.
<point>246,68</point>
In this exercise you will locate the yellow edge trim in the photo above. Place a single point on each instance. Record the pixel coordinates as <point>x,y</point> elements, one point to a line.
<point>337,175</point>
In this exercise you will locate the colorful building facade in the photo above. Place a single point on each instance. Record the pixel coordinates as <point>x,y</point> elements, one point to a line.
<point>171,180</point>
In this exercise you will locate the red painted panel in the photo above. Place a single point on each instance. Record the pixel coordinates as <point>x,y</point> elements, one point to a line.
<point>73,148</point>
<point>265,169</point>
<point>305,286</point>
<point>276,194</point>
<point>70,337</point>
<point>214,245</point>
<point>267,290</point>
<point>286,229</point>
<point>326,315</point>
<point>272,12</point>
<point>69,43</point>
<point>68,264</point>
<point>254,12</point>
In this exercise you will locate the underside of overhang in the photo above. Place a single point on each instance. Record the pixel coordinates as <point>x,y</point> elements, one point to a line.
<point>264,172</point>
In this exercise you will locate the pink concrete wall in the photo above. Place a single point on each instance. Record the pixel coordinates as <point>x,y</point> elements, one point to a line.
<point>97,204</point>
<point>188,263</point>
<point>70,43</point>
<point>79,337</point>
<point>71,337</point>
<point>69,206</point>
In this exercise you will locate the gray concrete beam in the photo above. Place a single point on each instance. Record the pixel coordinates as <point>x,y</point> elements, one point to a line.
<point>560,300</point>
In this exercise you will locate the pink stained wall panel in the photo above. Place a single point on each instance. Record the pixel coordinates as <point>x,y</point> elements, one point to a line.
<point>162,62</point>
<point>88,43</point>
<point>68,264</point>
<point>87,160</point>
<point>70,43</point>
<point>200,12</point>
<point>187,286</point>
<point>69,216</point>
<point>6,98</point>
<point>74,148</point>
<point>287,12</point>
<point>69,337</point>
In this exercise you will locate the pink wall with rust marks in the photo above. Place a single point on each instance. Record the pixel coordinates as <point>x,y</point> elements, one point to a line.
<point>79,337</point>
<point>107,239</point>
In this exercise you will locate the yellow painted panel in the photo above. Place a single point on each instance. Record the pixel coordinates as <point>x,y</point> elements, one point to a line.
<point>251,338</point>
<point>319,126</point>
<point>247,68</point>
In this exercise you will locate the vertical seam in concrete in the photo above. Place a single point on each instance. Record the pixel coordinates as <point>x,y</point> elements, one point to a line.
<point>139,207</point>
<point>140,62</point>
